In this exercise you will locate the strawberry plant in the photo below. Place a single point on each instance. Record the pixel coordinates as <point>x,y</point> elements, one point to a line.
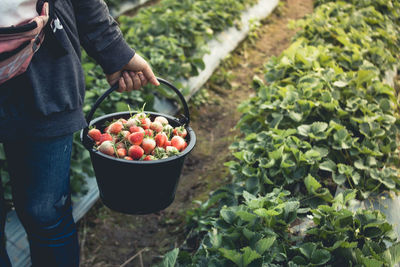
<point>323,119</point>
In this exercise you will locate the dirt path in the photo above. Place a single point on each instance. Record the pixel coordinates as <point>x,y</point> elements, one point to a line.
<point>109,238</point>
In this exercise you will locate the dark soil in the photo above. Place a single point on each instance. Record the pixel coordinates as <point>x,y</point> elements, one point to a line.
<point>112,239</point>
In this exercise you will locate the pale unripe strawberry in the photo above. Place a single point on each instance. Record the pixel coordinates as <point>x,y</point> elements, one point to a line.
<point>148,144</point>
<point>171,150</point>
<point>125,134</point>
<point>132,122</point>
<point>107,148</point>
<point>162,120</point>
<point>156,126</point>
<point>140,116</point>
<point>168,129</point>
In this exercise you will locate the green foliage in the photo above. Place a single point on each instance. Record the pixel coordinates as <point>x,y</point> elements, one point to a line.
<point>324,119</point>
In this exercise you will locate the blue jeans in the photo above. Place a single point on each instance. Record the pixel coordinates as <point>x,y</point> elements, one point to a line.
<point>39,173</point>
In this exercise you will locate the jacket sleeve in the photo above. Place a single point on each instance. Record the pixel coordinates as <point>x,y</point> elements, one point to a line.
<point>100,35</point>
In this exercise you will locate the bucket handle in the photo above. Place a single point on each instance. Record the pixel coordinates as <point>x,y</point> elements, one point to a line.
<point>184,120</point>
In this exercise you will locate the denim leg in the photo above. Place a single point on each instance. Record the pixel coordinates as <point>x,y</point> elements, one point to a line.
<point>4,259</point>
<point>39,172</point>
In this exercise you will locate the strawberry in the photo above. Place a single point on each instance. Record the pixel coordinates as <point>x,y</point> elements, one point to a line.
<point>168,129</point>
<point>167,143</point>
<point>135,128</point>
<point>136,138</point>
<point>149,132</point>
<point>123,121</point>
<point>156,126</point>
<point>94,134</point>
<point>120,145</point>
<point>115,127</point>
<point>185,145</point>
<point>149,157</point>
<point>160,139</point>
<point>145,123</point>
<point>105,137</point>
<point>125,134</point>
<point>107,147</point>
<point>178,142</point>
<point>181,131</point>
<point>121,152</point>
<point>162,120</point>
<point>171,150</point>
<point>135,152</point>
<point>128,158</point>
<point>140,116</point>
<point>132,122</point>
<point>148,144</point>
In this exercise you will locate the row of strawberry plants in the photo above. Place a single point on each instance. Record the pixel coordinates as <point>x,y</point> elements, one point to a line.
<point>323,120</point>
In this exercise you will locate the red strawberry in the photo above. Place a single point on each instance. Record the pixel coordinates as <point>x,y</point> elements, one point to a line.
<point>148,145</point>
<point>178,142</point>
<point>160,139</point>
<point>181,131</point>
<point>135,128</point>
<point>105,137</point>
<point>162,120</point>
<point>94,134</point>
<point>149,157</point>
<point>136,138</point>
<point>120,145</point>
<point>121,152</point>
<point>148,132</point>
<point>156,126</point>
<point>115,127</point>
<point>146,122</point>
<point>128,158</point>
<point>167,143</point>
<point>185,145</point>
<point>107,148</point>
<point>123,121</point>
<point>135,152</point>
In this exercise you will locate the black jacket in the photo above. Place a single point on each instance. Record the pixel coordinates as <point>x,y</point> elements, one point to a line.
<point>47,100</point>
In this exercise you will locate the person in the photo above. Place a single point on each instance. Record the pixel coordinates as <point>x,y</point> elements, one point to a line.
<point>42,108</point>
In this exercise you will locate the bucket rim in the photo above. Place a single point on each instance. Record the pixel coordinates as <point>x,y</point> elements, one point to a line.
<point>85,140</point>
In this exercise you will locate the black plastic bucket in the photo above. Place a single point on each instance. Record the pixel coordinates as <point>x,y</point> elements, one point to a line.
<point>137,187</point>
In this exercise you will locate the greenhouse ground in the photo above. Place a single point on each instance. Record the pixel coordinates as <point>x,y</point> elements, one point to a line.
<point>110,239</point>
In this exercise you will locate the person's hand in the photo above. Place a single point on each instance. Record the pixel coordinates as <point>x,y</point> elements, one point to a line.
<point>133,76</point>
